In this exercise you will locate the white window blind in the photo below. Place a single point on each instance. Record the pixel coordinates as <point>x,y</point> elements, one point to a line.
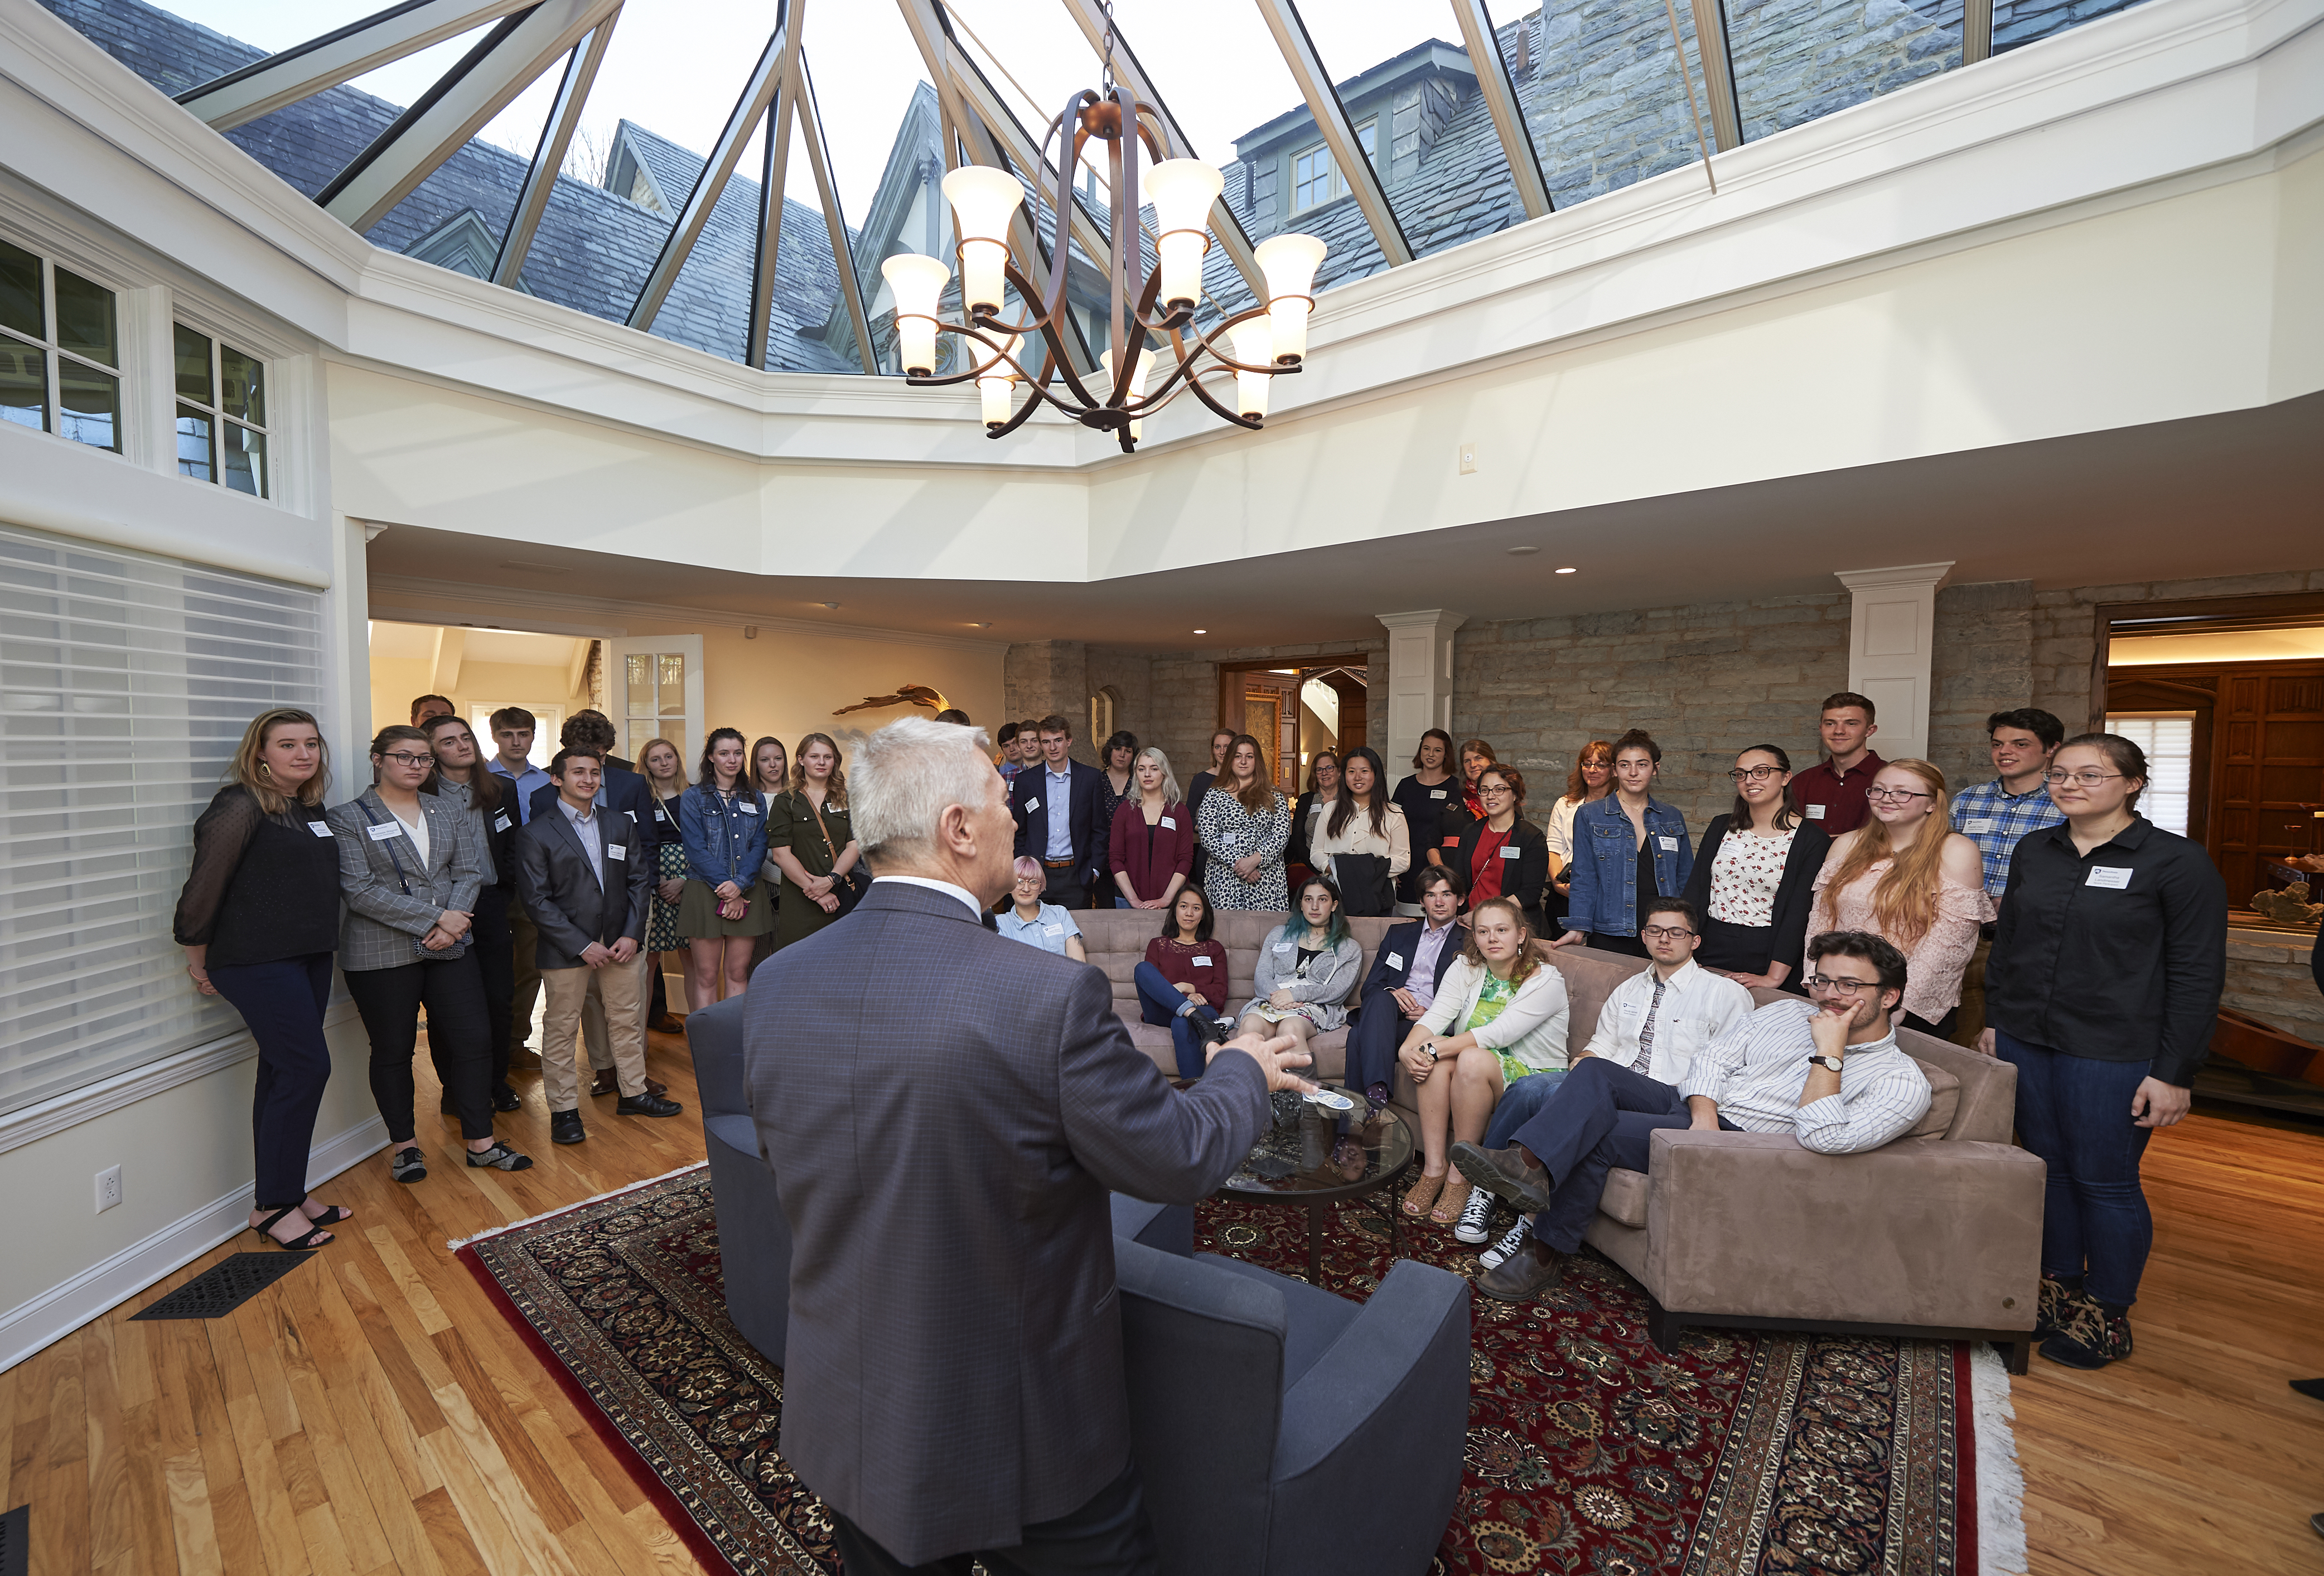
<point>2169,740</point>
<point>126,683</point>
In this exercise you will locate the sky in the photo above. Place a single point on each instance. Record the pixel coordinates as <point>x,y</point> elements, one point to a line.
<point>676,67</point>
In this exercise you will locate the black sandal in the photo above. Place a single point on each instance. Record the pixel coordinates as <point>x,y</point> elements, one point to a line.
<point>407,1164</point>
<point>313,1237</point>
<point>334,1215</point>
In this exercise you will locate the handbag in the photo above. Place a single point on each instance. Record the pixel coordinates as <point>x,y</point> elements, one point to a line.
<point>848,888</point>
<point>427,955</point>
<point>1365,888</point>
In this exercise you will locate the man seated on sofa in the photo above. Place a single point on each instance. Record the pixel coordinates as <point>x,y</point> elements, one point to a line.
<point>1827,1071</point>
<point>1410,965</point>
<point>1655,1023</point>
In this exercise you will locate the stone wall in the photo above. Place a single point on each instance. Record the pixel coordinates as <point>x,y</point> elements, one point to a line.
<point>2268,976</point>
<point>1708,681</point>
<point>1983,663</point>
<point>1041,676</point>
<point>2065,629</point>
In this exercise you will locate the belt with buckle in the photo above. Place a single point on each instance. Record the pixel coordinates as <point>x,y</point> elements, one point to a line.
<point>1058,863</point>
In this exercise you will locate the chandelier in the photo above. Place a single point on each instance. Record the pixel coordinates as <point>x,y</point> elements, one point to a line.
<point>1262,343</point>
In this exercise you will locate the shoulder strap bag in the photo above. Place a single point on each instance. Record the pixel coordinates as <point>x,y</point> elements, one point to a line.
<point>427,955</point>
<point>848,888</point>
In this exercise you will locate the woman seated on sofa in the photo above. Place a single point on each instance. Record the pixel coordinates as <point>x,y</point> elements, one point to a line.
<point>1034,923</point>
<point>1307,970</point>
<point>1183,981</point>
<point>1508,1005</point>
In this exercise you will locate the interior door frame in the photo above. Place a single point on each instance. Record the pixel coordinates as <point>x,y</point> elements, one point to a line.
<point>2192,615</point>
<point>618,648</point>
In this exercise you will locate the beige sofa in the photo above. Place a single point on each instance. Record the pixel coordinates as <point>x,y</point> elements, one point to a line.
<point>1937,1235</point>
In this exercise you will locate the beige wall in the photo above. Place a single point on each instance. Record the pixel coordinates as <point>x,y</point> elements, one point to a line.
<point>396,681</point>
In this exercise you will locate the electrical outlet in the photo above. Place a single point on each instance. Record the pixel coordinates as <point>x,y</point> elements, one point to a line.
<point>1468,459</point>
<point>108,1188</point>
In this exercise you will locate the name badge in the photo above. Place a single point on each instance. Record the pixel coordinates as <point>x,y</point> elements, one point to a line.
<point>2109,875</point>
<point>1630,1010</point>
<point>501,822</point>
<point>1169,824</point>
<point>1670,844</point>
<point>1982,824</point>
<point>1032,804</point>
<point>1453,841</point>
<point>617,851</point>
<point>320,828</point>
<point>1283,947</point>
<point>1396,960</point>
<point>1509,852</point>
<point>383,832</point>
<point>1053,930</point>
<point>1201,961</point>
<point>1815,812</point>
<point>1435,793</point>
<point>660,814</point>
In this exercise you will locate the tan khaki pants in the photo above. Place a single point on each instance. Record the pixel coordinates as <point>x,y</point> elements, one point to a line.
<point>1971,1020</point>
<point>620,989</point>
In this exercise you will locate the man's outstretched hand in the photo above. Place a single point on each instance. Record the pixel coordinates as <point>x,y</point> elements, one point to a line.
<point>1274,1058</point>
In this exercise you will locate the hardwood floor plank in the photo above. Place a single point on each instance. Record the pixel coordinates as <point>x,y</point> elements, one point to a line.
<point>415,1292</point>
<point>491,1406</point>
<point>486,1520</point>
<point>112,1521</point>
<point>193,1531</point>
<point>447,1537</point>
<point>60,1526</point>
<point>359,1463</point>
<point>270,1498</point>
<point>269,1346</point>
<point>327,1552</point>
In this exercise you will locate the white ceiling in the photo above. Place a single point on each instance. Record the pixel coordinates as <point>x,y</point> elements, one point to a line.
<point>519,647</point>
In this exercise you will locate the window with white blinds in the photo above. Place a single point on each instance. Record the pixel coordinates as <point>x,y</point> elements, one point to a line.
<point>2169,740</point>
<point>126,683</point>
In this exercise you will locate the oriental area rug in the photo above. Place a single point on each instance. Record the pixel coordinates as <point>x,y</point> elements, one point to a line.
<point>1588,1449</point>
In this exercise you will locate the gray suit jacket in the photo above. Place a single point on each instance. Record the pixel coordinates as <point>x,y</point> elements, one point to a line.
<point>382,922</point>
<point>943,1111</point>
<point>561,892</point>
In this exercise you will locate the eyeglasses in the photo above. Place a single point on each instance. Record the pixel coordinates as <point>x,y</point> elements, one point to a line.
<point>2089,779</point>
<point>403,760</point>
<point>1851,988</point>
<point>1497,788</point>
<point>1666,933</point>
<point>1894,796</point>
<point>1755,773</point>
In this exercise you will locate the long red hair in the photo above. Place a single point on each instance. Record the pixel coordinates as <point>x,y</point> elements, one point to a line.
<point>1904,902</point>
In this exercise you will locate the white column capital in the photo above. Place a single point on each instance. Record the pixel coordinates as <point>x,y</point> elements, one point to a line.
<point>1419,676</point>
<point>1895,576</point>
<point>1891,649</point>
<point>1428,618</point>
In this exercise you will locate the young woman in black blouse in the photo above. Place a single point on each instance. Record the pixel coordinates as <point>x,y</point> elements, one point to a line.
<point>259,918</point>
<point>1422,798</point>
<point>460,777</point>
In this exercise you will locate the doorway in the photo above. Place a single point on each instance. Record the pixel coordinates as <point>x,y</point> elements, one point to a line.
<point>1278,705</point>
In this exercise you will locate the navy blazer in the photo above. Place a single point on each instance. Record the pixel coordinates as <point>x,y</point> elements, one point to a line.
<point>1087,821</point>
<point>623,791</point>
<point>955,1365</point>
<point>1402,942</point>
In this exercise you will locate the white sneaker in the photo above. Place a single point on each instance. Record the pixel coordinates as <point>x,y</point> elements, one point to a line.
<point>1476,1217</point>
<point>1511,1241</point>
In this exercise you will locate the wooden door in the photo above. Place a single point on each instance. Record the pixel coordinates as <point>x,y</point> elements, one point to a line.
<point>2270,729</point>
<point>1262,714</point>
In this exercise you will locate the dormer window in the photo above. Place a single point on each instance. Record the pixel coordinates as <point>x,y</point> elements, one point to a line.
<point>1315,177</point>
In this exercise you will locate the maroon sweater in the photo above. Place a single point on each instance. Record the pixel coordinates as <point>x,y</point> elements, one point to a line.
<point>1177,965</point>
<point>1172,851</point>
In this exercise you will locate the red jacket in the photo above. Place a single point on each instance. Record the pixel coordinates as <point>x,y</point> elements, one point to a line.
<point>1173,849</point>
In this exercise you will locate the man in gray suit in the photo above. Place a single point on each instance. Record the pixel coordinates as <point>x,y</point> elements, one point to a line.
<point>944,1111</point>
<point>583,872</point>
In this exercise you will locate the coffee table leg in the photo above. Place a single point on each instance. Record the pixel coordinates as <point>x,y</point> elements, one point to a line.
<point>1315,1212</point>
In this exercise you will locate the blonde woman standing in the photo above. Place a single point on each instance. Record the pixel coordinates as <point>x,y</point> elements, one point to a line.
<point>664,770</point>
<point>811,841</point>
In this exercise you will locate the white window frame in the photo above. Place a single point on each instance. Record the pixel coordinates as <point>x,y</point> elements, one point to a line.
<point>617,688</point>
<point>548,723</point>
<point>53,354</point>
<point>217,415</point>
<point>1334,177</point>
<point>2153,798</point>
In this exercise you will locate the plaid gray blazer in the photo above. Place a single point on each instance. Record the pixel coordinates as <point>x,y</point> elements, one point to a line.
<point>381,923</point>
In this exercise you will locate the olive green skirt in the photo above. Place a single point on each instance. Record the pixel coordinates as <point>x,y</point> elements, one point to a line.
<point>698,918</point>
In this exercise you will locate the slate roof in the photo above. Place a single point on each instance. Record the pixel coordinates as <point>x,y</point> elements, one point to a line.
<point>593,249</point>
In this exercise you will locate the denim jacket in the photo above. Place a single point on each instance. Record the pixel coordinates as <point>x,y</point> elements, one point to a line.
<point>1605,898</point>
<point>723,845</point>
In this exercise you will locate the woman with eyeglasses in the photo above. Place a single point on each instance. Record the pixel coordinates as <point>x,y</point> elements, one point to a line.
<point>1592,779</point>
<point>1323,792</point>
<point>1627,847</point>
<point>1501,855</point>
<point>1908,878</point>
<point>1244,823</point>
<point>1755,875</point>
<point>460,777</point>
<point>1422,798</point>
<point>2102,991</point>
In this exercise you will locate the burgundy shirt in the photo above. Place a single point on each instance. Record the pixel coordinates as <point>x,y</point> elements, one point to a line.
<point>1177,965</point>
<point>1842,798</point>
<point>1151,855</point>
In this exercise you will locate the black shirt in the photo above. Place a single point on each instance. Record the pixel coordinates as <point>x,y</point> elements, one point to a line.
<point>2118,955</point>
<point>263,887</point>
<point>1424,806</point>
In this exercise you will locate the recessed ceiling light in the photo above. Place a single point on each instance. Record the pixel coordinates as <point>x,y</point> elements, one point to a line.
<point>1567,570</point>
<point>1201,631</point>
<point>1522,552</point>
<point>833,606</point>
<point>985,625</point>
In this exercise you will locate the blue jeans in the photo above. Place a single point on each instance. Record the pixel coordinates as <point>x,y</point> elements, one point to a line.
<point>1519,1102</point>
<point>1160,1000</point>
<point>2074,1112</point>
<point>1603,1117</point>
<point>282,1002</point>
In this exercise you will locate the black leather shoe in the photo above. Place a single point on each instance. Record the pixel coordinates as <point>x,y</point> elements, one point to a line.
<point>646,1105</point>
<point>565,1127</point>
<point>507,1098</point>
<point>1525,1275</point>
<point>1504,1172</point>
<point>2312,1388</point>
<point>1211,1031</point>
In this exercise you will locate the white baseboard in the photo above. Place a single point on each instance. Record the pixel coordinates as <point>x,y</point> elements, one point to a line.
<point>30,1326</point>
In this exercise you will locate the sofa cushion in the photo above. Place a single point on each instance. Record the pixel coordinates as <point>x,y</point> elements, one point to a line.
<point>1590,978</point>
<point>1625,1198</point>
<point>1944,1102</point>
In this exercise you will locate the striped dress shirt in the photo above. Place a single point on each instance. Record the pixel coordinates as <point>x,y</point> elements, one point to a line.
<point>1756,1071</point>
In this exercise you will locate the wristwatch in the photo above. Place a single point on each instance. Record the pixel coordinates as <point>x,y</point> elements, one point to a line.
<point>1431,1049</point>
<point>1824,1061</point>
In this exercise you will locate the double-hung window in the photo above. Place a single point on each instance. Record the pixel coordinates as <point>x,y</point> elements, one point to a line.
<point>1316,178</point>
<point>59,351</point>
<point>221,413</point>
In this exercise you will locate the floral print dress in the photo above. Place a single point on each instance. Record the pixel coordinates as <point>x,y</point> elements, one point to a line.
<point>1229,832</point>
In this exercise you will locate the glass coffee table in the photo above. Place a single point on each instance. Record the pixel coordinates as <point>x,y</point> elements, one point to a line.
<point>1293,1164</point>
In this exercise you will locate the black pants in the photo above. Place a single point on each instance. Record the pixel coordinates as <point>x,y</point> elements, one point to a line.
<point>453,991</point>
<point>1108,1536</point>
<point>1063,890</point>
<point>495,950</point>
<point>282,1002</point>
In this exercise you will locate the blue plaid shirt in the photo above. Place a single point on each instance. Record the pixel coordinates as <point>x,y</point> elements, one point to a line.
<point>1994,819</point>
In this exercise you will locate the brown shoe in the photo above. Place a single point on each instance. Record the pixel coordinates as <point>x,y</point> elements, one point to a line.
<point>667,1023</point>
<point>1504,1172</point>
<point>522,1060</point>
<point>608,1082</point>
<point>1525,1275</point>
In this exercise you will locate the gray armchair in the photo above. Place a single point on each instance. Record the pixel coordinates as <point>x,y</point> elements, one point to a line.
<point>1261,1410</point>
<point>754,1240</point>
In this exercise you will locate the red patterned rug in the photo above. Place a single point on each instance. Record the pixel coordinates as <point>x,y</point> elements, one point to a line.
<point>1588,1449</point>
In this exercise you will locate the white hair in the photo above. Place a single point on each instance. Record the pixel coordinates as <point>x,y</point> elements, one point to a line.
<point>1170,795</point>
<point>909,773</point>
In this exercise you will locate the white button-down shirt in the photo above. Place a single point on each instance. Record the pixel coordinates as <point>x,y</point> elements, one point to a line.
<point>1698,1006</point>
<point>1756,1071</point>
<point>585,823</point>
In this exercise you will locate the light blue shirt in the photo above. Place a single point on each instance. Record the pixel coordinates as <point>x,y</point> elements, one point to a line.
<point>1048,930</point>
<point>585,823</point>
<point>531,781</point>
<point>1060,793</point>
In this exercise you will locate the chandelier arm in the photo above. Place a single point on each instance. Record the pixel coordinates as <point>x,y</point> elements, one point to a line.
<point>1071,137</point>
<point>1237,416</point>
<point>1210,343</point>
<point>1047,325</point>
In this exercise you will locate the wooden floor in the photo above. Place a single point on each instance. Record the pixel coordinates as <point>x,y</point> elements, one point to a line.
<point>372,1413</point>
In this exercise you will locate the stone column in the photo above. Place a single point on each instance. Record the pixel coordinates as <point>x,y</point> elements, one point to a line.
<point>1891,647</point>
<point>1419,678</point>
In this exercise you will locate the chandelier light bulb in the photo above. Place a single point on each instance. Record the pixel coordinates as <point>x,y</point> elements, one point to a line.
<point>1182,191</point>
<point>1137,386</point>
<point>993,384</point>
<point>917,282</point>
<point>983,200</point>
<point>1289,263</point>
<point>1254,345</point>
